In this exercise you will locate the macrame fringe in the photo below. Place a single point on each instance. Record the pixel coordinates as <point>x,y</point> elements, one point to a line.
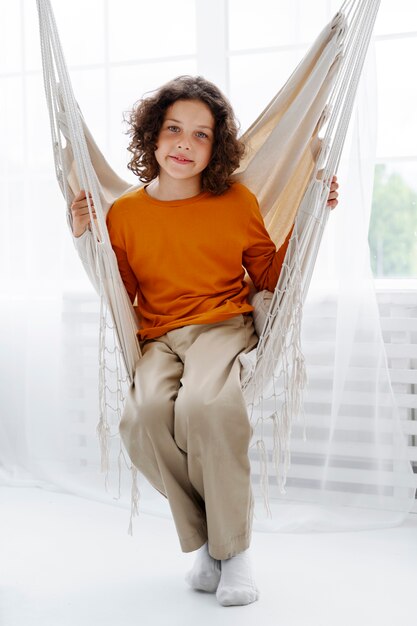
<point>103,428</point>
<point>280,359</point>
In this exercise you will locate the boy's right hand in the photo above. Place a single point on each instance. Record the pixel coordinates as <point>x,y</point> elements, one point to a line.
<point>80,214</point>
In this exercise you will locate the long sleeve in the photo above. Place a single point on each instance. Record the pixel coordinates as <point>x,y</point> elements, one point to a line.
<point>116,235</point>
<point>126,272</point>
<point>261,259</point>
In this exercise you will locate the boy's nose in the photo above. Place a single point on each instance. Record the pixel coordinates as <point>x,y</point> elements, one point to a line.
<point>184,142</point>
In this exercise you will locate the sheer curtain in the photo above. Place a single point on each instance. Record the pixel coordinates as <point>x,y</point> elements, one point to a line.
<point>351,472</point>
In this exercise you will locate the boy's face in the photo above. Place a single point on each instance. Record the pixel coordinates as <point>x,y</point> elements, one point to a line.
<point>185,141</point>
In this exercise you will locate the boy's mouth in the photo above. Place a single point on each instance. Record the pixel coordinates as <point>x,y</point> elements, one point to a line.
<point>180,159</point>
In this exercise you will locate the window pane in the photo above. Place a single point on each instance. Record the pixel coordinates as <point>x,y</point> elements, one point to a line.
<point>80,27</point>
<point>12,128</point>
<point>32,44</point>
<point>44,263</point>
<point>393,227</point>
<point>396,17</point>
<point>139,30</point>
<point>250,92</point>
<point>10,37</point>
<point>13,170</point>
<point>397,95</point>
<point>89,92</point>
<point>37,137</point>
<point>274,23</point>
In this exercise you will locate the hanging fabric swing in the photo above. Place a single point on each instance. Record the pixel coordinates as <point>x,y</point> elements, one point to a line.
<point>293,150</point>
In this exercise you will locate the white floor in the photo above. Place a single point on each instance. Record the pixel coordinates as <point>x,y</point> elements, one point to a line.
<point>67,561</point>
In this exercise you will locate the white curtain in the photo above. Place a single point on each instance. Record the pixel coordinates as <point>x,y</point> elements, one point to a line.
<point>351,472</point>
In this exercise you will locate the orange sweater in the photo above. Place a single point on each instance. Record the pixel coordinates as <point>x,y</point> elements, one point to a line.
<point>184,260</point>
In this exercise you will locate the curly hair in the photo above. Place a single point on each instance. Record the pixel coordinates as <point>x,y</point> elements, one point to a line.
<point>147,116</point>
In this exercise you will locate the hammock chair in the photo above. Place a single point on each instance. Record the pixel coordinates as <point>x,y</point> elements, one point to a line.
<point>293,150</point>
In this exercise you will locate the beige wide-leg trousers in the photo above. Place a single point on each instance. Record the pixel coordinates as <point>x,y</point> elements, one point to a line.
<point>186,428</point>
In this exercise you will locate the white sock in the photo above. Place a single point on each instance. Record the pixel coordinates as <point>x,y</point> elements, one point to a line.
<point>205,574</point>
<point>236,585</point>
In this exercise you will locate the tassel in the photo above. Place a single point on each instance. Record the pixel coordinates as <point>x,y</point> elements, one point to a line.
<point>280,434</point>
<point>103,432</point>
<point>264,475</point>
<point>134,502</point>
<point>119,467</point>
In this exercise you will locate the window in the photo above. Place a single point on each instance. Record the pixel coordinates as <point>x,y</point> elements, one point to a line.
<point>393,228</point>
<point>120,49</point>
<point>278,43</point>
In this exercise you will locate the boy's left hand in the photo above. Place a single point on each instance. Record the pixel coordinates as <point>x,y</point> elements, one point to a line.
<point>332,200</point>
